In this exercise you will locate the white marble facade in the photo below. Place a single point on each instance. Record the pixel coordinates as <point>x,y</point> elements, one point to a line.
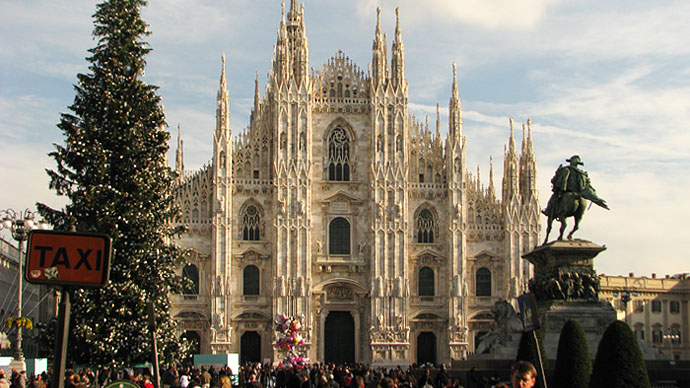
<point>336,198</point>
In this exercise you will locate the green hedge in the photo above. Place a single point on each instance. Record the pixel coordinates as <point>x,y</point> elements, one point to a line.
<point>619,362</point>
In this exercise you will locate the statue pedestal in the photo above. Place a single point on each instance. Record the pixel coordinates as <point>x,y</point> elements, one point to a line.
<point>566,286</point>
<point>563,253</point>
<point>593,316</point>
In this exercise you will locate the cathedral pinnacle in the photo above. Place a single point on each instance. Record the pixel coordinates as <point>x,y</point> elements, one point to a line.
<point>438,120</point>
<point>398,33</point>
<point>455,110</point>
<point>179,160</point>
<point>378,60</point>
<point>511,143</point>
<point>492,189</point>
<point>257,95</point>
<point>223,102</point>
<point>398,54</point>
<point>223,81</point>
<point>530,144</point>
<point>455,81</point>
<point>283,26</point>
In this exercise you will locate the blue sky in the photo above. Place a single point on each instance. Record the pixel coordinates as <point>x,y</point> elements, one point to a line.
<point>609,81</point>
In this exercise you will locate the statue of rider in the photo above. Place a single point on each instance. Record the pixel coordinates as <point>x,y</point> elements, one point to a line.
<point>574,180</point>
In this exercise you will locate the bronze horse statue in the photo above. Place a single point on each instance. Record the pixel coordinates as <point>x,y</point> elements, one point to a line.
<point>570,205</point>
<point>571,190</point>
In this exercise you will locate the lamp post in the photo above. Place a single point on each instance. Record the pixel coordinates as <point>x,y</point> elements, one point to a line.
<point>625,298</point>
<point>672,336</point>
<point>19,223</point>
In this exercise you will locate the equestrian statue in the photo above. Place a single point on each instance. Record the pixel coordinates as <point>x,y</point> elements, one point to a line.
<point>571,190</point>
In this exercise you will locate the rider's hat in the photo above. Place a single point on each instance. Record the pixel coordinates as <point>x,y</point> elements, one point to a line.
<point>575,159</point>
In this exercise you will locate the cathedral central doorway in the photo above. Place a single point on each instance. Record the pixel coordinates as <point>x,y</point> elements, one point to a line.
<point>339,338</point>
<point>426,348</point>
<point>250,347</point>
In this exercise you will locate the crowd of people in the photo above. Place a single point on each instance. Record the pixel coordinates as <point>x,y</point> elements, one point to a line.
<point>257,375</point>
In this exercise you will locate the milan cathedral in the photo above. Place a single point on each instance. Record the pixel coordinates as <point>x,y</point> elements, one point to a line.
<point>338,206</point>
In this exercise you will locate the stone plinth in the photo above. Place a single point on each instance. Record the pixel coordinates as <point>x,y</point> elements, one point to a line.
<point>593,316</point>
<point>563,253</point>
<point>564,270</point>
<point>566,286</point>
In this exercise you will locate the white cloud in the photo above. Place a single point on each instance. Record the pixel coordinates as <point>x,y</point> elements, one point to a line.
<point>21,112</point>
<point>490,14</point>
<point>22,169</point>
<point>48,38</point>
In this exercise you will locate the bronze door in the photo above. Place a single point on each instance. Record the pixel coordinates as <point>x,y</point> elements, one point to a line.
<point>339,338</point>
<point>250,347</point>
<point>426,348</point>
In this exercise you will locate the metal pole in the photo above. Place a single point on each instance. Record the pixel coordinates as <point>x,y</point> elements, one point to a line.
<point>18,354</point>
<point>152,329</point>
<point>61,340</point>
<point>540,365</point>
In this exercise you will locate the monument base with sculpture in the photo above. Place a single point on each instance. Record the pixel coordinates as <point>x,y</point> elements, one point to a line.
<point>566,286</point>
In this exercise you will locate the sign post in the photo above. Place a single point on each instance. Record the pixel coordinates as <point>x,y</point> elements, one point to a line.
<point>152,328</point>
<point>530,322</point>
<point>67,259</point>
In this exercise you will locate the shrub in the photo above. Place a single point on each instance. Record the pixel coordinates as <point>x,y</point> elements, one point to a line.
<point>573,363</point>
<point>619,362</point>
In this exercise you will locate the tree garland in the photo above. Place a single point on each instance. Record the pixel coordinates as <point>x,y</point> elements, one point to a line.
<point>24,322</point>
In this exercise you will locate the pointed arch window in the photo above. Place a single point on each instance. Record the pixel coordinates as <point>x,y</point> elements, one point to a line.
<point>426,282</point>
<point>251,221</point>
<point>483,282</point>
<point>250,280</point>
<point>425,227</point>
<point>339,237</point>
<point>338,155</point>
<point>191,276</point>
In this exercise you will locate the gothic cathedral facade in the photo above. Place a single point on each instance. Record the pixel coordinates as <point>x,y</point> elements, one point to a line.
<point>338,206</point>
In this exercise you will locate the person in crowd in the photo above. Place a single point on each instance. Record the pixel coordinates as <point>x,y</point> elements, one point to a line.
<point>4,383</point>
<point>523,374</point>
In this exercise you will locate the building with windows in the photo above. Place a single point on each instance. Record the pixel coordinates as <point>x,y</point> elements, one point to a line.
<point>38,303</point>
<point>656,309</point>
<point>339,206</point>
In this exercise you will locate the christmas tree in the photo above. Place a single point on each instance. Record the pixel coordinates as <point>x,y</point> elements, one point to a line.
<point>113,170</point>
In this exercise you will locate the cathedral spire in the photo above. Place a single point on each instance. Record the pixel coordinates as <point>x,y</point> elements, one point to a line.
<point>530,144</point>
<point>281,60</point>
<point>179,159</point>
<point>223,81</point>
<point>297,42</point>
<point>479,179</point>
<point>492,188</point>
<point>528,165</point>
<point>257,95</point>
<point>293,8</point>
<point>438,120</point>
<point>455,111</point>
<point>257,101</point>
<point>511,169</point>
<point>397,54</point>
<point>511,141</point>
<point>378,61</point>
<point>223,104</point>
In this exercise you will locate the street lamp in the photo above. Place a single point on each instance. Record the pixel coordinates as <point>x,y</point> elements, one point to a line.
<point>19,223</point>
<point>672,336</point>
<point>625,298</point>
